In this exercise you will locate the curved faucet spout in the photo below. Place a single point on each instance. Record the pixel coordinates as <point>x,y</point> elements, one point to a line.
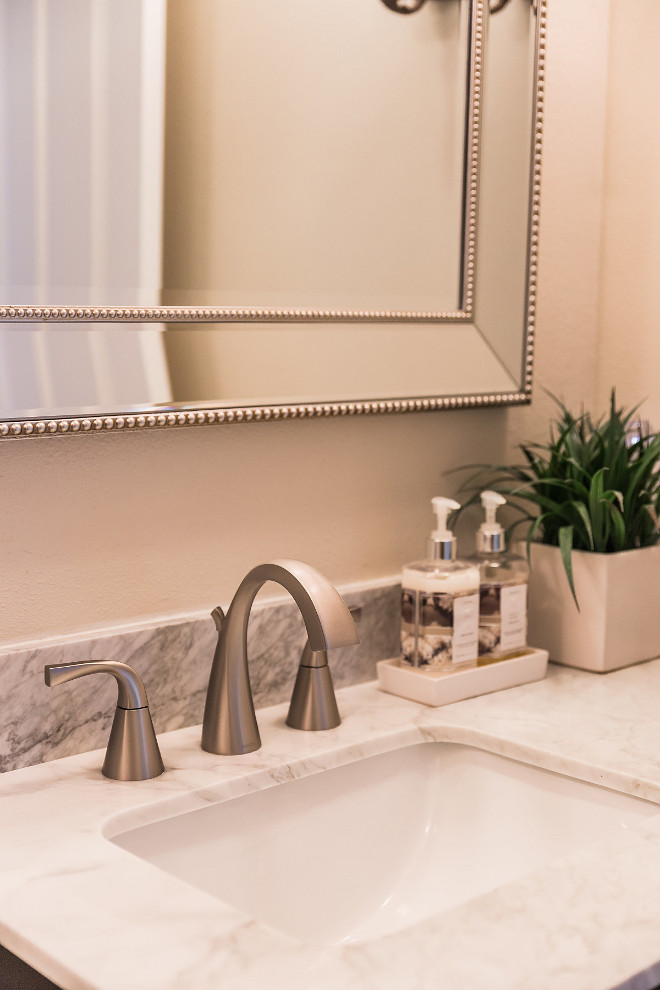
<point>230,724</point>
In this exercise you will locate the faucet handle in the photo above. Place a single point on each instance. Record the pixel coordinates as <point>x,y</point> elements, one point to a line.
<point>313,704</point>
<point>132,752</point>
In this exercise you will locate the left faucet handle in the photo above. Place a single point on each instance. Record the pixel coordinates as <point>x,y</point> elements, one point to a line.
<point>132,752</point>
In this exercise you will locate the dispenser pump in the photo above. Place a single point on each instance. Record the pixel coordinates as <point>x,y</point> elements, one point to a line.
<point>490,537</point>
<point>442,542</point>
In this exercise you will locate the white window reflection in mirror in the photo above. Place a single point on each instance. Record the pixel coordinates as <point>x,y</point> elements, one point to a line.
<point>233,160</point>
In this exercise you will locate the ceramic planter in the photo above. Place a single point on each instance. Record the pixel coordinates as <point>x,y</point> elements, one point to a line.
<point>619,619</point>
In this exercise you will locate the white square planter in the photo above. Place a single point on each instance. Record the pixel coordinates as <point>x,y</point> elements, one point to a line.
<point>619,619</point>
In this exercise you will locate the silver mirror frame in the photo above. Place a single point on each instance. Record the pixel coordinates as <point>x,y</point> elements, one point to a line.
<point>180,415</point>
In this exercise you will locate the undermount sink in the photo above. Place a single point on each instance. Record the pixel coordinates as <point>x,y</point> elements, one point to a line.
<point>367,849</point>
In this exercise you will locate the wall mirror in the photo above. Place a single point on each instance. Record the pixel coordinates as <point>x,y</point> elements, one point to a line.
<point>220,210</point>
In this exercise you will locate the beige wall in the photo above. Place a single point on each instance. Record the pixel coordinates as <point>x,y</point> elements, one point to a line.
<point>571,213</point>
<point>127,526</point>
<point>630,335</point>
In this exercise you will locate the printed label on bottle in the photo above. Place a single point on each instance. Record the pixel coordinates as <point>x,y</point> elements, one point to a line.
<point>438,630</point>
<point>466,628</point>
<point>513,606</point>
<point>502,618</point>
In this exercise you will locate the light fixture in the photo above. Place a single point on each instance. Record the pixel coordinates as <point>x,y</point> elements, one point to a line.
<point>404,6</point>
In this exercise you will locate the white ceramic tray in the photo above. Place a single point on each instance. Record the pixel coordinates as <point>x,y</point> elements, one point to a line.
<point>435,688</point>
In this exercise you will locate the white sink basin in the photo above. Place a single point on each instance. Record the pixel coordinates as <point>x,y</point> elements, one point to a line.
<point>367,849</point>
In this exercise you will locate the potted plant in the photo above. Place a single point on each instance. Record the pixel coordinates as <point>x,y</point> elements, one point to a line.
<point>589,500</point>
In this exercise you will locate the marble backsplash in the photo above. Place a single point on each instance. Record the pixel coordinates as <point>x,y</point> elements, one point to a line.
<point>174,660</point>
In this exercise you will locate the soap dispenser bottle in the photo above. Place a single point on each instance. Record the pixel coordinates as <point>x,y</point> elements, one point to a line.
<point>502,590</point>
<point>440,603</point>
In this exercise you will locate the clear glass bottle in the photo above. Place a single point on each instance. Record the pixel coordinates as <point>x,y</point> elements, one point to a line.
<point>440,603</point>
<point>502,589</point>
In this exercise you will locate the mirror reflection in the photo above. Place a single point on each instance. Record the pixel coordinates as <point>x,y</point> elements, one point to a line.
<point>303,154</point>
<point>331,136</point>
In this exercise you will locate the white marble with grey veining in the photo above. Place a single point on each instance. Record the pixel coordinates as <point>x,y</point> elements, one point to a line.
<point>174,661</point>
<point>93,917</point>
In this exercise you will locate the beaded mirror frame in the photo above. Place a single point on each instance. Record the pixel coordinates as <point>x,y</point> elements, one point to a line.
<point>203,413</point>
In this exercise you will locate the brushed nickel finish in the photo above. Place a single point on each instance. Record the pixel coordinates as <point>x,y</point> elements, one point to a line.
<point>230,724</point>
<point>181,415</point>
<point>313,704</point>
<point>132,752</point>
<point>221,314</point>
<point>130,693</point>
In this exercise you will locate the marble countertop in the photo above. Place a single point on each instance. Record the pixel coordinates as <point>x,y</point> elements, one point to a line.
<point>90,915</point>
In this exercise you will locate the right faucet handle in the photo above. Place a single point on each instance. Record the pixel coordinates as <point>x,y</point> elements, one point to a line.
<point>313,704</point>
<point>132,752</point>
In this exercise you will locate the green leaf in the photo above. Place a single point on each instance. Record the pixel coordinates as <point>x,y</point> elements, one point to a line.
<point>586,521</point>
<point>533,529</point>
<point>618,529</point>
<point>596,508</point>
<point>566,549</point>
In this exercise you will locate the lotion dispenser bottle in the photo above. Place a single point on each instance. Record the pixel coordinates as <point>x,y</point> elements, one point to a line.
<point>440,603</point>
<point>502,591</point>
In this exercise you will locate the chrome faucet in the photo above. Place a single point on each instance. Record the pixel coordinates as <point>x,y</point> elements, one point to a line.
<point>230,724</point>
